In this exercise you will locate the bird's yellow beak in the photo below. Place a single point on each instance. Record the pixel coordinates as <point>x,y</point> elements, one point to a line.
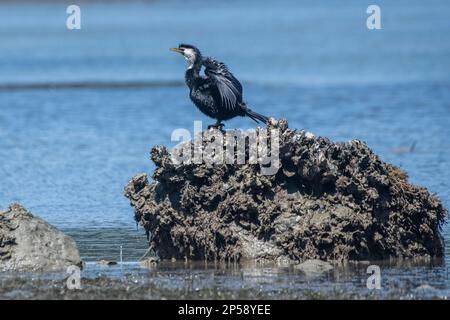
<point>176,50</point>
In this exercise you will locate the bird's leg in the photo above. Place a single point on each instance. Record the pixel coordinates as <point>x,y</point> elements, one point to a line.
<point>218,125</point>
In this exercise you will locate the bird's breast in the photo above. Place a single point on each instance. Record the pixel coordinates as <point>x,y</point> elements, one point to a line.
<point>204,102</point>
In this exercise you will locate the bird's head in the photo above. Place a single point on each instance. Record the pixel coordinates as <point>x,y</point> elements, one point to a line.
<point>190,53</point>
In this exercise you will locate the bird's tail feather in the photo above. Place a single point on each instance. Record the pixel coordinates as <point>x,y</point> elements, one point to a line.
<point>256,116</point>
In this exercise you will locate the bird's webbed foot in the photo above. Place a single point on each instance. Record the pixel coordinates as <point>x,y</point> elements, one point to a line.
<point>218,125</point>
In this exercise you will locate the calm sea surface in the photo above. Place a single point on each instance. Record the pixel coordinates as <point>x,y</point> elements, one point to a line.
<point>66,151</point>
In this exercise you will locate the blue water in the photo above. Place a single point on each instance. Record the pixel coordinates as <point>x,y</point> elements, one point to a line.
<point>67,152</point>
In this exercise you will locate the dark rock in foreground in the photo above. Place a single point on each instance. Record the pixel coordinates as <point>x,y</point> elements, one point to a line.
<point>28,243</point>
<point>329,201</point>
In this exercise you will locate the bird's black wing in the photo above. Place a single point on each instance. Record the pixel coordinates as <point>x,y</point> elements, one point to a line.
<point>228,87</point>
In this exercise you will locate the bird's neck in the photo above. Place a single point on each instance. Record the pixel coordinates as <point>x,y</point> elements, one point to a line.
<point>193,73</point>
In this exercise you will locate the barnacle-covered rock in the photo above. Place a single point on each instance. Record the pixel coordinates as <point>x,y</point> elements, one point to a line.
<point>328,201</point>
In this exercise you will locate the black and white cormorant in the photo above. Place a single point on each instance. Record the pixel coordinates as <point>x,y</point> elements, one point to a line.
<point>218,94</point>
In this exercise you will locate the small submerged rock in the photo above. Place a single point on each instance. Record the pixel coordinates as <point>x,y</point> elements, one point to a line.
<point>28,243</point>
<point>107,263</point>
<point>425,287</point>
<point>149,262</point>
<point>328,201</point>
<point>312,268</point>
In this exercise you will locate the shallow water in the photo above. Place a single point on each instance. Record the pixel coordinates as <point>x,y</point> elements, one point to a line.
<point>67,151</point>
<point>177,280</point>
